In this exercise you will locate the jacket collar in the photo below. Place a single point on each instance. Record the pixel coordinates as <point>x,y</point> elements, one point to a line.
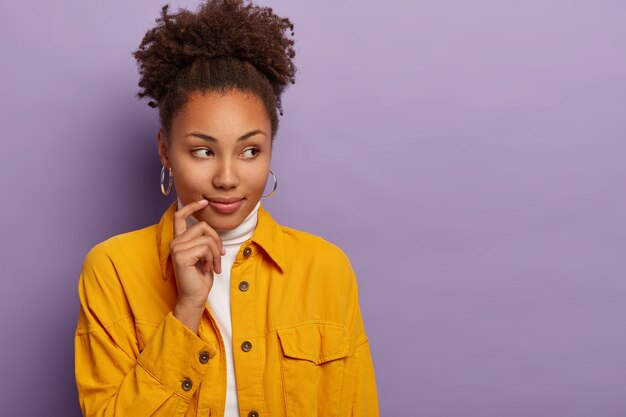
<point>268,234</point>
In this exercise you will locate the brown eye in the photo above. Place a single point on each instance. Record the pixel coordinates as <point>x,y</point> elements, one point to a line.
<point>250,156</point>
<point>202,153</point>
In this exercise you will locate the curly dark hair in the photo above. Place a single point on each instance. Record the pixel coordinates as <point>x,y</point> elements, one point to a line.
<point>224,45</point>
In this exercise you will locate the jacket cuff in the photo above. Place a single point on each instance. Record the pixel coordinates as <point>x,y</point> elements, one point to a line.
<point>176,357</point>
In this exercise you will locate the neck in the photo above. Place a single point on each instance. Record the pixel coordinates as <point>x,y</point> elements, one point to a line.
<point>235,236</point>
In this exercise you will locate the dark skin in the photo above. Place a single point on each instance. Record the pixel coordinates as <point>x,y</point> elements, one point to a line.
<point>235,163</point>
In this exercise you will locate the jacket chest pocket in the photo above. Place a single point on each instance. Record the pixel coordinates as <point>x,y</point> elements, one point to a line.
<point>312,366</point>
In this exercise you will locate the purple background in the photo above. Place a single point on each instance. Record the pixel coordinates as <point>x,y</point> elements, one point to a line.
<point>469,157</point>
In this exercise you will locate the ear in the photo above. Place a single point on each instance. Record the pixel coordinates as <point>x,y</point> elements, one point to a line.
<point>162,148</point>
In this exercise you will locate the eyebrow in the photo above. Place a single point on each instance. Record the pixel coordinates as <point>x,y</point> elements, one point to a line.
<point>212,139</point>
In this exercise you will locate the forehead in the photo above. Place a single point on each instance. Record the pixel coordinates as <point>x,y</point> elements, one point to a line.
<point>227,113</point>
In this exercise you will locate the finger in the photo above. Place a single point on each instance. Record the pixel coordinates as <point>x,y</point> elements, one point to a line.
<point>195,254</point>
<point>217,261</point>
<point>201,240</point>
<point>210,261</point>
<point>198,240</point>
<point>199,229</point>
<point>207,266</point>
<point>180,216</point>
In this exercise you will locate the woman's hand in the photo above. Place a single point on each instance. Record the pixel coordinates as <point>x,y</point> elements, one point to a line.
<point>196,254</point>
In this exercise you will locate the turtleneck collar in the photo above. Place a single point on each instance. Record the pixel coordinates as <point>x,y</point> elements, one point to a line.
<point>239,234</point>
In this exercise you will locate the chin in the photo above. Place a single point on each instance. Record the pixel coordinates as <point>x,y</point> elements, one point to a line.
<point>228,222</point>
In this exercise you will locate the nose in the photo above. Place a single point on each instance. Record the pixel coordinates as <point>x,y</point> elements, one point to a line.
<point>225,176</point>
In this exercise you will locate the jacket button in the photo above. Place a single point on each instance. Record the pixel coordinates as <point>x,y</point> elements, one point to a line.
<point>253,414</point>
<point>247,251</point>
<point>204,357</point>
<point>243,286</point>
<point>246,346</point>
<point>187,384</point>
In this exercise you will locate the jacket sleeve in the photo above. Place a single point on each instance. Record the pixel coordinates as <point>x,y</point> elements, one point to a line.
<point>361,382</point>
<point>113,378</point>
<point>364,396</point>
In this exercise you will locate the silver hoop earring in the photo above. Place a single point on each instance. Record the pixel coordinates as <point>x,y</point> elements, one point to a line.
<point>169,185</point>
<point>275,185</point>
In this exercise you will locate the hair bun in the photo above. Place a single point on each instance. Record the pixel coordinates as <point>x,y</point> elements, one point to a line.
<point>219,28</point>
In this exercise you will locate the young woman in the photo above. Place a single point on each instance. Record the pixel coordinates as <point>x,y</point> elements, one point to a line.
<point>218,310</point>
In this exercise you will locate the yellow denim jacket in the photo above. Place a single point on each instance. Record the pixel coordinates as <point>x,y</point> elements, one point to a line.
<point>299,345</point>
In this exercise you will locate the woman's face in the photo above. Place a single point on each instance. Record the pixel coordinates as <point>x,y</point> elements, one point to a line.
<point>220,148</point>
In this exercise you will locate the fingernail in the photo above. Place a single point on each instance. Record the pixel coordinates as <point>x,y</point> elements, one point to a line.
<point>203,201</point>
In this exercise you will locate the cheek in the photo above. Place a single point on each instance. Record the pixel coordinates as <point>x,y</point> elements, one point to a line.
<point>260,184</point>
<point>190,180</point>
<point>257,178</point>
<point>252,182</point>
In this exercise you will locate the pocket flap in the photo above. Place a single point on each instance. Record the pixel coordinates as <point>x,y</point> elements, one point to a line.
<point>315,342</point>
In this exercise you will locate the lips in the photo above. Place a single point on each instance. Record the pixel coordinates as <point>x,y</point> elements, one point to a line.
<point>225,205</point>
<point>224,200</point>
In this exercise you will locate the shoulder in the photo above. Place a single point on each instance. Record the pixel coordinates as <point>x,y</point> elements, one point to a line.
<point>114,253</point>
<point>320,274</point>
<point>121,245</point>
<point>314,254</point>
<point>313,244</point>
<point>108,271</point>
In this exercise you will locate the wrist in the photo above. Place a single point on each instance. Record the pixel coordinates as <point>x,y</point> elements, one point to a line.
<point>189,316</point>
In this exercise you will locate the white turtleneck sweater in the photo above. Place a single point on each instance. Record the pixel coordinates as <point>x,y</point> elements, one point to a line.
<point>219,297</point>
